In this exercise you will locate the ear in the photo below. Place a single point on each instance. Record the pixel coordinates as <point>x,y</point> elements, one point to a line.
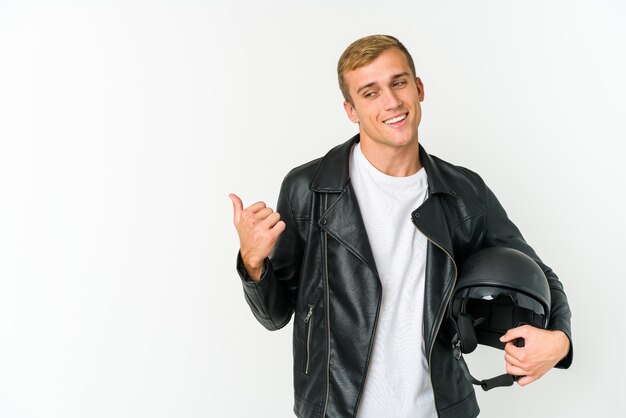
<point>420,88</point>
<point>351,112</point>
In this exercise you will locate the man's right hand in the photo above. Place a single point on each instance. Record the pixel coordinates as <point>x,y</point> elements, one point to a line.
<point>258,227</point>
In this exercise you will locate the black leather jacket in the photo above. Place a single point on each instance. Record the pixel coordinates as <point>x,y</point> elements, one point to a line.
<point>322,268</point>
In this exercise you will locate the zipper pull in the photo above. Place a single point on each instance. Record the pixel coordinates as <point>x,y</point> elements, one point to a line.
<point>309,314</point>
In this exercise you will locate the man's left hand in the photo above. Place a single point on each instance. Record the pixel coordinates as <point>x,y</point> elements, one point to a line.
<point>542,350</point>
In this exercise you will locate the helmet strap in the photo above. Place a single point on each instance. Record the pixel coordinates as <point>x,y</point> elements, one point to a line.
<point>465,341</point>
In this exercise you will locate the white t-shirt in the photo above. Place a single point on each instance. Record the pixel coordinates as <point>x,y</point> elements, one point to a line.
<point>398,382</point>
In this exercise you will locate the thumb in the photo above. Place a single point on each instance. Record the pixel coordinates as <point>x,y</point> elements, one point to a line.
<point>237,206</point>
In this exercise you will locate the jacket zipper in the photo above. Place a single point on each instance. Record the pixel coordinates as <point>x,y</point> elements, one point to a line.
<point>447,301</point>
<point>308,321</point>
<point>369,355</point>
<point>326,309</point>
<point>440,318</point>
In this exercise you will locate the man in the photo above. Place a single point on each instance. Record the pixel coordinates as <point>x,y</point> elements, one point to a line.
<point>365,253</point>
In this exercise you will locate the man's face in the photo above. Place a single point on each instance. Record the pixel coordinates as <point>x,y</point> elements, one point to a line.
<point>386,101</point>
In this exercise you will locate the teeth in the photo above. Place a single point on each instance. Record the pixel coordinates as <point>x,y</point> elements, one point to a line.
<point>395,120</point>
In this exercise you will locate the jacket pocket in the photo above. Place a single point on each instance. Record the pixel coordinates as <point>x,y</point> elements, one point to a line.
<point>308,323</point>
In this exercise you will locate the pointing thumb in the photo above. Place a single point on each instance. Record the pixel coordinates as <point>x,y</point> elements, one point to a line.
<point>237,206</point>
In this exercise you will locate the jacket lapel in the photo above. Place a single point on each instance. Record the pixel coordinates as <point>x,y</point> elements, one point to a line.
<point>342,219</point>
<point>343,222</point>
<point>430,219</point>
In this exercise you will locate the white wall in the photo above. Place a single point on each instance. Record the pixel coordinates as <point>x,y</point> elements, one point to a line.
<point>125,124</point>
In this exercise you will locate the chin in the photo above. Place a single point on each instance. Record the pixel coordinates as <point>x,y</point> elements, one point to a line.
<point>403,142</point>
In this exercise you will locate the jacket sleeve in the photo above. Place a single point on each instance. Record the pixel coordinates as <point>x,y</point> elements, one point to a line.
<point>501,232</point>
<point>272,298</point>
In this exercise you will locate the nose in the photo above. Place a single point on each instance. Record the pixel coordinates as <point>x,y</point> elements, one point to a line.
<point>391,99</point>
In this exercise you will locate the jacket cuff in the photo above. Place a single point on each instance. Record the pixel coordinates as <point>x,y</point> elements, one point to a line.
<point>566,361</point>
<point>243,273</point>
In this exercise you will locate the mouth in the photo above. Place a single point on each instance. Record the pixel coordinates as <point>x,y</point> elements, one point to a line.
<point>395,120</point>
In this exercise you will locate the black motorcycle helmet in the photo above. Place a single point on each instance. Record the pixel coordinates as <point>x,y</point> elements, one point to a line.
<point>497,289</point>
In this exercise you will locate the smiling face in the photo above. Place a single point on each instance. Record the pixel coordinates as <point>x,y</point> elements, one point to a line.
<point>385,102</point>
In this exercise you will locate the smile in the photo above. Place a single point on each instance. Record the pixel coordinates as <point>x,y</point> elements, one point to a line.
<point>396,119</point>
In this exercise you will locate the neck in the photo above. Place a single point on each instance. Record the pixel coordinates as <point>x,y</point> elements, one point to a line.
<point>393,161</point>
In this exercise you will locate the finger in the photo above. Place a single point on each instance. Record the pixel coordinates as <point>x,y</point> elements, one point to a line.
<point>526,380</point>
<point>255,207</point>
<point>516,371</point>
<point>512,360</point>
<point>279,228</point>
<point>514,333</point>
<point>263,213</point>
<point>237,207</point>
<point>511,349</point>
<point>271,219</point>
<point>519,364</point>
<point>519,354</point>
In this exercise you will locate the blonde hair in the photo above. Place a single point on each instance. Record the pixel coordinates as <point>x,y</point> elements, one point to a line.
<point>362,52</point>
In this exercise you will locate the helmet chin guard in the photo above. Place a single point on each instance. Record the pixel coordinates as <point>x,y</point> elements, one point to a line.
<point>498,289</point>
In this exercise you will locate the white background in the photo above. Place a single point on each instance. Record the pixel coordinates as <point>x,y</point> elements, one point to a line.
<point>125,124</point>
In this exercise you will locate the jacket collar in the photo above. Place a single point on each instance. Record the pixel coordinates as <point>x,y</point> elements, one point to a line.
<point>333,173</point>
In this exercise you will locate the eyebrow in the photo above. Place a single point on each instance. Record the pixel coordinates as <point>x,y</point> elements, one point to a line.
<point>373,83</point>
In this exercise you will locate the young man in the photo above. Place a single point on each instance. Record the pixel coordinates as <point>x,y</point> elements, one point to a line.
<point>365,253</point>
